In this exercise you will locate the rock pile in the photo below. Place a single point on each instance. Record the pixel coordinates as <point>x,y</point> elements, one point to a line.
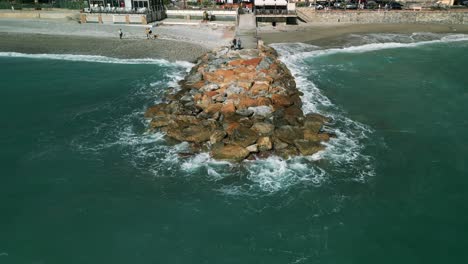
<point>240,105</point>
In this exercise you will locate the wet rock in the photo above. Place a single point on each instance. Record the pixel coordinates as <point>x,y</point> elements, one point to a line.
<point>307,147</point>
<point>191,133</point>
<point>288,134</point>
<point>229,152</point>
<point>160,121</point>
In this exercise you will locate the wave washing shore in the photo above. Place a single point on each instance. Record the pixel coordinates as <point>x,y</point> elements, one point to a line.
<point>346,152</point>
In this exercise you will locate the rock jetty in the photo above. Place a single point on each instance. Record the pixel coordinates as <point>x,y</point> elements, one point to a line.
<point>240,104</point>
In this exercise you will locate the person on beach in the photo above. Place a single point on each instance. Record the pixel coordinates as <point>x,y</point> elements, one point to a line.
<point>120,33</point>
<point>234,44</point>
<point>239,44</point>
<point>147,31</point>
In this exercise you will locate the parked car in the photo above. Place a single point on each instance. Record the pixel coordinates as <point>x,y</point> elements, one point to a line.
<point>351,6</point>
<point>338,4</point>
<point>316,7</point>
<point>394,5</point>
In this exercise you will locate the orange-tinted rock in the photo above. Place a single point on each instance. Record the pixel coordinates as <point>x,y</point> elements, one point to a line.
<point>198,85</point>
<point>258,88</point>
<point>226,75</point>
<point>211,93</point>
<point>228,108</point>
<point>213,108</point>
<point>252,62</point>
<point>249,76</point>
<point>204,102</point>
<point>246,102</point>
<point>245,84</point>
<point>212,77</point>
<point>281,100</point>
<point>263,101</point>
<point>156,110</point>
<point>235,62</point>
<point>231,127</point>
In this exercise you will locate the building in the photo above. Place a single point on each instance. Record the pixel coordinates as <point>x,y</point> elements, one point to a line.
<point>125,5</point>
<point>124,11</point>
<point>275,11</point>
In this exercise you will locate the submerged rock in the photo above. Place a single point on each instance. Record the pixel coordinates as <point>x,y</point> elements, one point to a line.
<point>240,105</point>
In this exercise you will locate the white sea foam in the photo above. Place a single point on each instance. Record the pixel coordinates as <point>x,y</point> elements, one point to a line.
<point>374,42</point>
<point>343,154</point>
<point>345,151</point>
<point>96,59</point>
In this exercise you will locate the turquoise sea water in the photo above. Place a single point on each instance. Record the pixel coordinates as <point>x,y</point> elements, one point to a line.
<point>82,182</point>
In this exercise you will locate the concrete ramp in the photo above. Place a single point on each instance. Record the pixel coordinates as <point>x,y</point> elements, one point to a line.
<point>247,31</point>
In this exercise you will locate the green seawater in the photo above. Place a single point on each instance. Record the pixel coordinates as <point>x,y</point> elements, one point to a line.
<point>81,181</point>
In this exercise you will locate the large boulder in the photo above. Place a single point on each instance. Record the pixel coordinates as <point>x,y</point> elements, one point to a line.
<point>263,128</point>
<point>307,147</point>
<point>229,152</point>
<point>243,136</point>
<point>192,133</point>
<point>264,144</point>
<point>289,134</point>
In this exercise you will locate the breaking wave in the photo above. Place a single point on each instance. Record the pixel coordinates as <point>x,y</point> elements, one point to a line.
<point>343,159</point>
<point>95,59</point>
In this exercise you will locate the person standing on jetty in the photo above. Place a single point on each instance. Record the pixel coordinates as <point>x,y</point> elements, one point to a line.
<point>120,33</point>
<point>239,43</point>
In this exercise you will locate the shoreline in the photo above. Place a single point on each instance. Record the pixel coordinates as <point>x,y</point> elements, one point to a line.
<point>174,42</point>
<point>335,35</point>
<point>179,42</point>
<point>108,47</point>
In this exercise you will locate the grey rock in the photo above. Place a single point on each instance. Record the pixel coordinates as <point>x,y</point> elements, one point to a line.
<point>244,112</point>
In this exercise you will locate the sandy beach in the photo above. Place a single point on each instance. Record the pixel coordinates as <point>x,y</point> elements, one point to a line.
<point>178,41</point>
<point>174,42</point>
<point>335,35</point>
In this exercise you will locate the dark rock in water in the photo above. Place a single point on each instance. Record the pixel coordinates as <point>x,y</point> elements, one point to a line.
<point>240,105</point>
<point>308,147</point>
<point>193,78</point>
<point>288,134</point>
<point>160,121</point>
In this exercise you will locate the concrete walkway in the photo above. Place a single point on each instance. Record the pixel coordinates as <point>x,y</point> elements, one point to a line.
<point>247,31</point>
